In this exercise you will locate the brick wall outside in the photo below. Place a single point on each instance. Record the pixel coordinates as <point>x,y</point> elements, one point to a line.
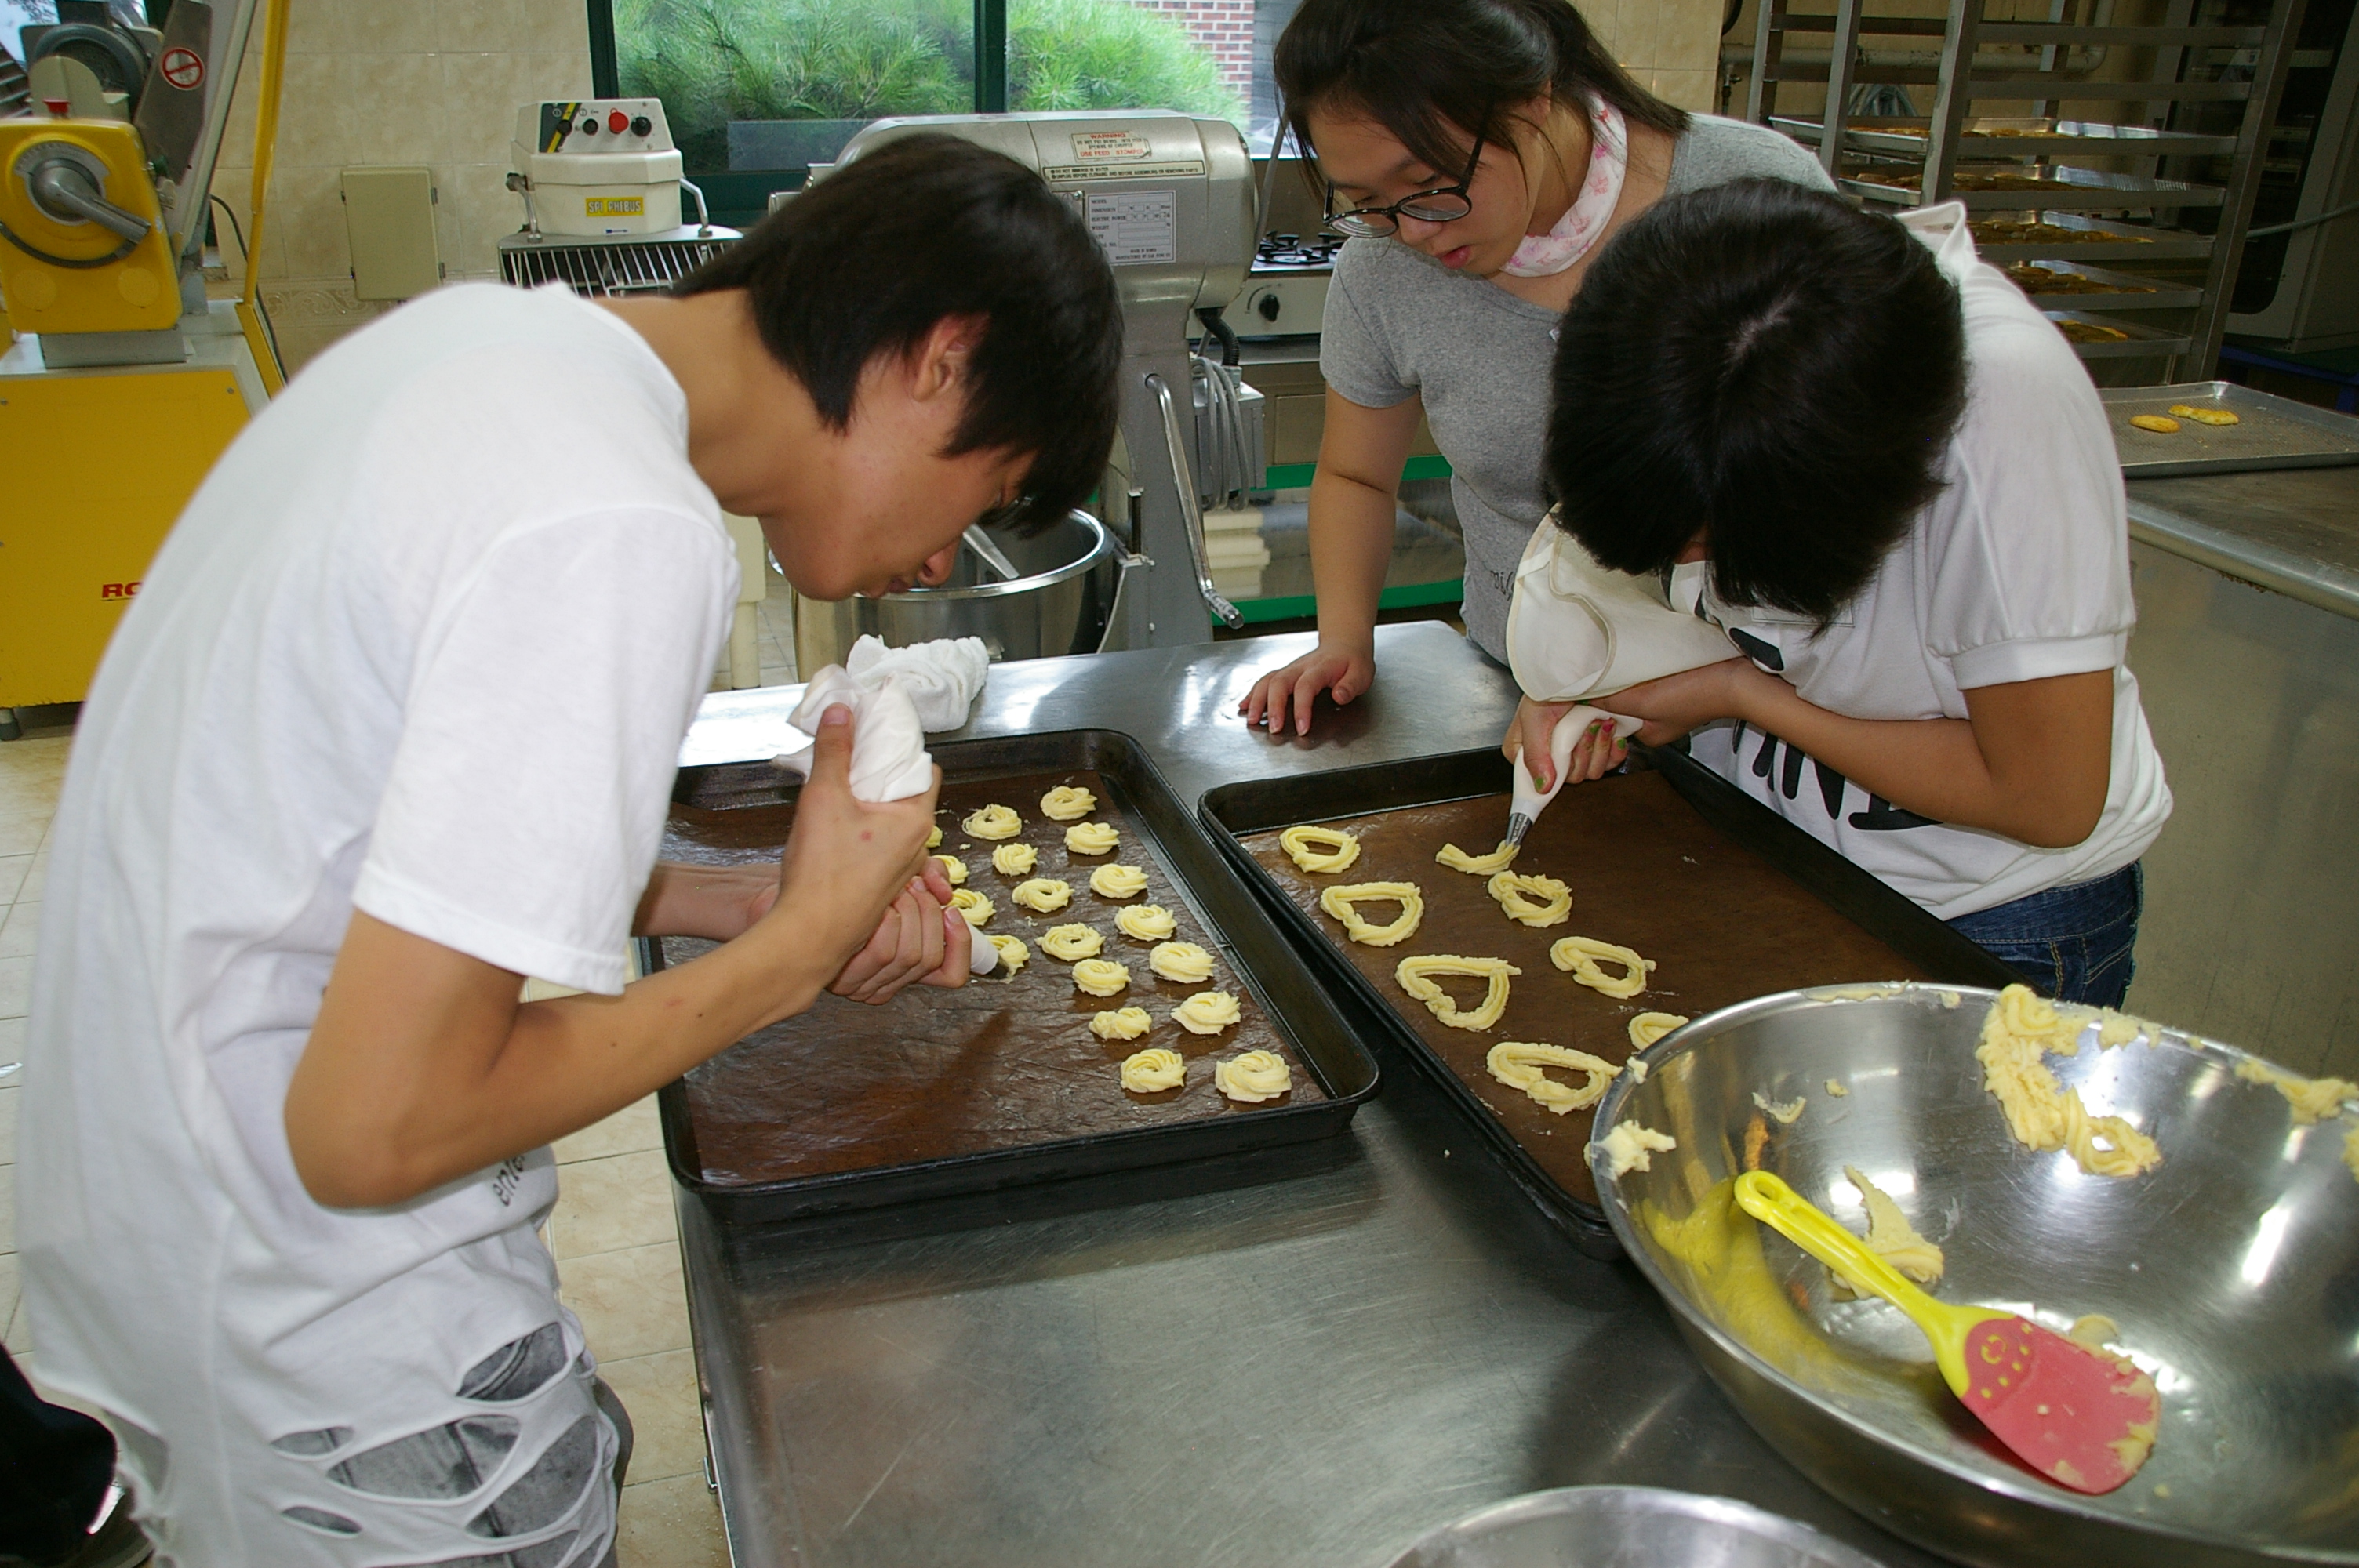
<point>1222,29</point>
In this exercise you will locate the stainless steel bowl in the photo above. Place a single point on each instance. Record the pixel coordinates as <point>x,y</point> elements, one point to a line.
<point>1059,605</point>
<point>1626,1527</point>
<point>2232,1270</point>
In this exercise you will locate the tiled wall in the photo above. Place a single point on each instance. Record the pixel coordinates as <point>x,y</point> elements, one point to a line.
<point>393,82</point>
<point>1672,46</point>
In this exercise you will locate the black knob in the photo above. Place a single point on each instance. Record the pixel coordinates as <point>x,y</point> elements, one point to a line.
<point>641,125</point>
<point>590,126</point>
<point>1266,306</point>
<point>1287,242</point>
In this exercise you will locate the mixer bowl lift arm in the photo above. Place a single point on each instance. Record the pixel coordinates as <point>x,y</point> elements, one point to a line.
<point>1190,509</point>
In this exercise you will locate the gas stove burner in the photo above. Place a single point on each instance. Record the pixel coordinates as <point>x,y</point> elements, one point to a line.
<point>1293,250</point>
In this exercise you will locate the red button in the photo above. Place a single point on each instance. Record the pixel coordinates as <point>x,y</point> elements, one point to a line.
<point>618,121</point>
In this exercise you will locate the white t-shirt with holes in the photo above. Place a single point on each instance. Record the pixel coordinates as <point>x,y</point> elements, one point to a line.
<point>423,644</point>
<point>2018,572</point>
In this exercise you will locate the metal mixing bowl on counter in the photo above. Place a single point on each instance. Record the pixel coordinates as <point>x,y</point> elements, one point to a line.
<point>1626,1527</point>
<point>2232,1271</point>
<point>1057,603</point>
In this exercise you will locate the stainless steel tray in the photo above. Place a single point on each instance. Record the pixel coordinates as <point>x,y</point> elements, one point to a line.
<point>2083,138</point>
<point>2115,241</point>
<point>2135,342</point>
<point>2084,189</point>
<point>2275,432</point>
<point>2160,294</point>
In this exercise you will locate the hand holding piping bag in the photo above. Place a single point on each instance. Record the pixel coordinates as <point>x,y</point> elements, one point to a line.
<point>1537,783</point>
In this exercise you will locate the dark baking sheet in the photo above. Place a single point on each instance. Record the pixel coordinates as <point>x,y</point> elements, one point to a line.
<point>1728,900</point>
<point>1000,1082</point>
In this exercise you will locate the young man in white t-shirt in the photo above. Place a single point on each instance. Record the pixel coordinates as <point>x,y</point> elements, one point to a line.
<point>1863,454</point>
<point>393,725</point>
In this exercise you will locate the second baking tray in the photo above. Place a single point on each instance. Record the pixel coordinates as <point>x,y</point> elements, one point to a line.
<point>2271,432</point>
<point>1730,901</point>
<point>999,1083</point>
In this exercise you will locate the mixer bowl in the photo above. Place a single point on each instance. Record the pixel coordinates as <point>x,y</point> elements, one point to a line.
<point>2232,1270</point>
<point>1625,1526</point>
<point>1058,604</point>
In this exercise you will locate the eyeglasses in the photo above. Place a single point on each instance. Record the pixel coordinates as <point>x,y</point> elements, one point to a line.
<point>1443,204</point>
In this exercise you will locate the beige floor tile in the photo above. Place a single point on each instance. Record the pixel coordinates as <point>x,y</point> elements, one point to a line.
<point>630,1303</point>
<point>17,927</point>
<point>671,1524</point>
<point>37,879</point>
<point>12,1043</point>
<point>8,1209</point>
<point>8,1103</point>
<point>22,829</point>
<point>12,875</point>
<point>16,986</point>
<point>606,1206</point>
<point>667,1419</point>
<point>627,1132</point>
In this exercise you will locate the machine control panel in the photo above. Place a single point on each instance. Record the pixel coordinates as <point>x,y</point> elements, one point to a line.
<point>602,126</point>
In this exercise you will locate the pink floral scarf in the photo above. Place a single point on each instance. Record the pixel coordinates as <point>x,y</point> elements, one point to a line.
<point>1584,222</point>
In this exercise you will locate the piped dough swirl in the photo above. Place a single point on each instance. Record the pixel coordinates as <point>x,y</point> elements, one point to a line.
<point>1532,900</point>
<point>1120,1023</point>
<point>1518,1064</point>
<point>1068,803</point>
<point>1252,1077</point>
<point>993,822</point>
<point>955,869</point>
<point>1043,895</point>
<point>1100,977</point>
<point>1015,859</point>
<point>1498,860</point>
<point>977,909</point>
<point>1342,903</point>
<point>1181,961</point>
<point>1582,956</point>
<point>1013,954</point>
<point>1416,977</point>
<point>1118,881</point>
<point>1072,943</point>
<point>1146,922</point>
<point>1321,851</point>
<point>1092,838</point>
<point>1207,1012</point>
<point>1153,1070</point>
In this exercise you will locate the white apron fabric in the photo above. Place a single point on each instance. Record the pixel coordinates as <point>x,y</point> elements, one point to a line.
<point>1578,632</point>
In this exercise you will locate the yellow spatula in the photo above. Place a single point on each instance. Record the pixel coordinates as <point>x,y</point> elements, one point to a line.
<point>2078,1416</point>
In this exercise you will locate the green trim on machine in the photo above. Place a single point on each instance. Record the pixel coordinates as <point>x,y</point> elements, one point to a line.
<point>1405,596</point>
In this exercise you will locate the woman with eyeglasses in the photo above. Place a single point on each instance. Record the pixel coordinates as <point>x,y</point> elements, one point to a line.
<point>1476,153</point>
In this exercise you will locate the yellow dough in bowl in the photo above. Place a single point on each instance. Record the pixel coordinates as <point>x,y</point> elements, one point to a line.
<point>993,822</point>
<point>1118,881</point>
<point>1321,851</point>
<point>1092,838</point>
<point>977,909</point>
<point>1631,1147</point>
<point>1068,803</point>
<point>1498,860</point>
<point>1416,977</point>
<point>2018,1031</point>
<point>1146,922</point>
<point>1582,955</point>
<point>1252,1077</point>
<point>1043,895</point>
<point>1153,1070</point>
<point>1120,1023</point>
<point>1072,943</point>
<point>1181,961</point>
<point>1343,902</point>
<point>1015,859</point>
<point>1100,977</point>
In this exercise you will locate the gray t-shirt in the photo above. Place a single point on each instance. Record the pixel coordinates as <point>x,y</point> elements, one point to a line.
<point>1399,324</point>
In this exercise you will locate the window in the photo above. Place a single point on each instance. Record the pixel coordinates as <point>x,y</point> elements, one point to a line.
<point>758,91</point>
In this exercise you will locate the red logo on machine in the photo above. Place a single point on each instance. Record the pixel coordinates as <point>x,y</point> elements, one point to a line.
<point>183,68</point>
<point>118,590</point>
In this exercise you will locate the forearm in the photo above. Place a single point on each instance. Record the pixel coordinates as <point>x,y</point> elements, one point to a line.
<point>711,902</point>
<point>1351,550</point>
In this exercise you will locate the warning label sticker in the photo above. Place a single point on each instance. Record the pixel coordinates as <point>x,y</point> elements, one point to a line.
<point>1136,227</point>
<point>1098,147</point>
<point>1172,168</point>
<point>183,68</point>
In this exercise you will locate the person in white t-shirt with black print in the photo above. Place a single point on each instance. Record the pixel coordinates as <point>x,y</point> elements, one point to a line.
<point>392,725</point>
<point>1861,452</point>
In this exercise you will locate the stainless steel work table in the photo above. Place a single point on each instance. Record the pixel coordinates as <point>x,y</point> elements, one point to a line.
<point>1377,1336</point>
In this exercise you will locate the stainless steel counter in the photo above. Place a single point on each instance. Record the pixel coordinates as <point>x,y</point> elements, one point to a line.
<point>1310,1361</point>
<point>2295,530</point>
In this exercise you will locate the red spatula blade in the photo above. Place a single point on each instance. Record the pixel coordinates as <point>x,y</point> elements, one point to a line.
<point>2079,1416</point>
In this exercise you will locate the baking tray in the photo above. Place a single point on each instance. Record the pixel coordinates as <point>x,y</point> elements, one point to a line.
<point>2110,240</point>
<point>2275,432</point>
<point>2055,138</point>
<point>2137,341</point>
<point>2084,189</point>
<point>999,1083</point>
<point>2134,293</point>
<point>1730,901</point>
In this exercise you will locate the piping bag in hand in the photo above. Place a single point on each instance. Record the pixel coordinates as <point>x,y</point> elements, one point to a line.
<point>889,759</point>
<point>1579,631</point>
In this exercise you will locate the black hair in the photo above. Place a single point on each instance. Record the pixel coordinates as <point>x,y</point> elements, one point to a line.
<point>1438,74</point>
<point>1762,365</point>
<point>866,262</point>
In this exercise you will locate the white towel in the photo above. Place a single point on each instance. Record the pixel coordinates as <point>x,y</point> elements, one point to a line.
<point>889,760</point>
<point>942,678</point>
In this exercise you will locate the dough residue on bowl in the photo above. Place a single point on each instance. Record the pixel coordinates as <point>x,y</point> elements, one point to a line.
<point>1015,859</point>
<point>1068,803</point>
<point>1518,1064</point>
<point>993,822</point>
<point>2312,1099</point>
<point>1890,1237</point>
<point>1782,1113</point>
<point>1415,975</point>
<point>1343,903</point>
<point>1498,860</point>
<point>1252,1077</point>
<point>1631,1147</point>
<point>1181,961</point>
<point>1118,881</point>
<point>1146,922</point>
<point>1072,943</point>
<point>1838,1089</point>
<point>1321,851</point>
<point>1120,1023</point>
<point>2018,1032</point>
<point>1153,1070</point>
<point>1207,1012</point>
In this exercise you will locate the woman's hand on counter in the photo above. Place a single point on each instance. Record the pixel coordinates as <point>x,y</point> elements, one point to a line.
<point>1345,672</point>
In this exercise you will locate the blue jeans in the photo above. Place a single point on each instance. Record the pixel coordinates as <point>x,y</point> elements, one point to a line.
<point>2071,943</point>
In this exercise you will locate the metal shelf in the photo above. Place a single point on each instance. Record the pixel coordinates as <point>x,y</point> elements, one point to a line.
<point>2121,242</point>
<point>2134,293</point>
<point>2084,189</point>
<point>2058,139</point>
<point>2136,341</point>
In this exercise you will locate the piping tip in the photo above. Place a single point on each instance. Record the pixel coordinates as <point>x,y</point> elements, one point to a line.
<point>1517,825</point>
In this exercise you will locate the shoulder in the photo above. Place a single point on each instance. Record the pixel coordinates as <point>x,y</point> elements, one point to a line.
<point>2023,377</point>
<point>1369,269</point>
<point>1714,151</point>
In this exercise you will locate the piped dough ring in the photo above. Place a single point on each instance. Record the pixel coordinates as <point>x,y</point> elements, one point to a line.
<point>1207,1012</point>
<point>1145,922</point>
<point>1092,838</point>
<point>1252,1077</point>
<point>1649,1027</point>
<point>1153,1070</point>
<point>1415,975</point>
<point>1120,1023</point>
<point>993,822</point>
<point>1013,954</point>
<point>1100,977</point>
<point>1072,943</point>
<point>1118,881</point>
<point>1181,961</point>
<point>1533,900</point>
<point>1068,803</point>
<point>1498,860</point>
<point>1043,895</point>
<point>1339,902</point>
<point>1321,851</point>
<point>1518,1064</point>
<point>977,909</point>
<point>1582,955</point>
<point>955,869</point>
<point>934,836</point>
<point>1015,859</point>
